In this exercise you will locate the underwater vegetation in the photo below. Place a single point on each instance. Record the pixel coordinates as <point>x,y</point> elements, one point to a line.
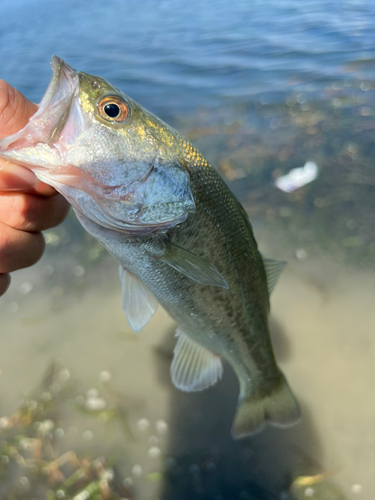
<point>32,463</point>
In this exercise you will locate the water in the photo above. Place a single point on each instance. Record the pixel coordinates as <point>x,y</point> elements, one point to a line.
<point>260,87</point>
<point>180,55</point>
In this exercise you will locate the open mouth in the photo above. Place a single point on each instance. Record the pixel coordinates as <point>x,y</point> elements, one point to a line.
<point>50,119</point>
<point>56,104</point>
<point>62,85</point>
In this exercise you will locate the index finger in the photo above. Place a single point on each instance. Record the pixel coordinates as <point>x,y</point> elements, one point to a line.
<point>16,178</point>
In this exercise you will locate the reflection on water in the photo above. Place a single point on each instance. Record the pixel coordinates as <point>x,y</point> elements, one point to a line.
<point>258,94</point>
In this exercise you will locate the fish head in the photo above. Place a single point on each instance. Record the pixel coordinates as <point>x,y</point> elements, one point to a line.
<point>115,162</point>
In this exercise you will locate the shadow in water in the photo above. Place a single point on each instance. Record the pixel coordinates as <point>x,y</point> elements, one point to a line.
<point>280,341</point>
<point>205,463</point>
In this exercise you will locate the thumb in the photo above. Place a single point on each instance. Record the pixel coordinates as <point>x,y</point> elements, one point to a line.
<point>15,110</point>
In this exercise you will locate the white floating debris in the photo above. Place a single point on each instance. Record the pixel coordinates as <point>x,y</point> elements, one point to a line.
<point>356,488</point>
<point>64,375</point>
<point>87,435</point>
<point>309,492</point>
<point>92,393</point>
<point>24,481</point>
<point>31,405</point>
<point>94,403</point>
<point>109,475</point>
<point>13,307</point>
<point>84,495</point>
<point>297,177</point>
<point>46,396</point>
<point>105,376</point>
<point>94,253</point>
<point>154,452</point>
<point>26,288</point>
<point>137,470</point>
<point>301,254</point>
<point>79,271</point>
<point>46,426</point>
<point>27,443</point>
<point>51,238</point>
<point>59,433</point>
<point>153,441</point>
<point>128,481</point>
<point>161,426</point>
<point>55,388</point>
<point>143,424</point>
<point>4,422</point>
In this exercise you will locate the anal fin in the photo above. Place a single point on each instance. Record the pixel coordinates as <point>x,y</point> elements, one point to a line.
<point>138,302</point>
<point>194,367</point>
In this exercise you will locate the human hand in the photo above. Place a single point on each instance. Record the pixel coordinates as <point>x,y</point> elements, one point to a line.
<point>27,206</point>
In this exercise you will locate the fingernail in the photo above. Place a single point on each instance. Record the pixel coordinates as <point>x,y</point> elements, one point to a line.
<point>16,178</point>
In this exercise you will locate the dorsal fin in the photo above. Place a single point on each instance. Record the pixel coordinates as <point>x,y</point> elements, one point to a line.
<point>273,270</point>
<point>138,302</point>
<point>194,367</point>
<point>192,266</point>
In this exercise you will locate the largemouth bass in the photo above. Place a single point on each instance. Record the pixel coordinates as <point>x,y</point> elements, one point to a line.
<point>181,237</point>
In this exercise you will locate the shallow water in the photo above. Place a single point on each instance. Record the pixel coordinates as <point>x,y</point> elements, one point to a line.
<point>321,322</point>
<point>259,88</point>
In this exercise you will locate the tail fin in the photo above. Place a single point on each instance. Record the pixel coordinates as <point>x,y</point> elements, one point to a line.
<point>278,408</point>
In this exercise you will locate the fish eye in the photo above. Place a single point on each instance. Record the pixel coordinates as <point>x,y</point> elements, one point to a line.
<point>113,109</point>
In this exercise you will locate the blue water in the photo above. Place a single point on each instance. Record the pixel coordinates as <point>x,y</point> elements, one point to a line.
<point>176,55</point>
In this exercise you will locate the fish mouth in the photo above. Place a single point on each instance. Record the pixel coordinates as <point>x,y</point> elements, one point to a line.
<point>58,98</point>
<point>46,125</point>
<point>61,84</point>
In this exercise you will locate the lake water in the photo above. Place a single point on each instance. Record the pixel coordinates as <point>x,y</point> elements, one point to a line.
<point>177,55</point>
<point>259,87</point>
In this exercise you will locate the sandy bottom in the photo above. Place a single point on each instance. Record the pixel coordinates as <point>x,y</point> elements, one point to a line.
<point>322,323</point>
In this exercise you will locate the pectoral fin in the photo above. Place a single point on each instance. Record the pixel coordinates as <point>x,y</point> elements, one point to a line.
<point>273,270</point>
<point>192,266</point>
<point>194,367</point>
<point>137,301</point>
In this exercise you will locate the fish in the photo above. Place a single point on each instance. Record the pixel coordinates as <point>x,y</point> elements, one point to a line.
<point>181,237</point>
